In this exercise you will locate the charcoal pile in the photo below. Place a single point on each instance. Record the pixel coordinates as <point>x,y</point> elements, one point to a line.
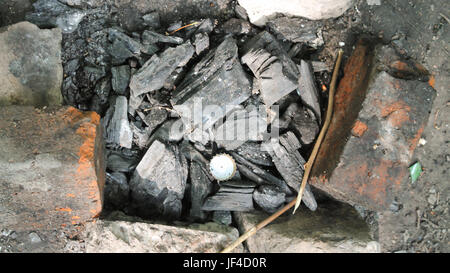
<point>172,98</point>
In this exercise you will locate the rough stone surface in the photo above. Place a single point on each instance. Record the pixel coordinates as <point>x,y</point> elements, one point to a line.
<point>375,164</point>
<point>139,237</point>
<point>158,183</point>
<point>30,70</point>
<point>259,11</point>
<point>333,227</point>
<point>52,170</point>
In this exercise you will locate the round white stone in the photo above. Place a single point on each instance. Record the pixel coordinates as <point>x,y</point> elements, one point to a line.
<point>222,167</point>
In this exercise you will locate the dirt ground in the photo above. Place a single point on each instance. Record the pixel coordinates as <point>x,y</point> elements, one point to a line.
<point>421,29</point>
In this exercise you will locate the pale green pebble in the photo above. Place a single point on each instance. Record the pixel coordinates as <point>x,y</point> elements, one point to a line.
<point>414,171</point>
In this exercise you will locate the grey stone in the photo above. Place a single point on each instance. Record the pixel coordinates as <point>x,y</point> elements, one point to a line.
<point>151,37</point>
<point>118,162</point>
<point>102,91</point>
<point>222,217</point>
<point>154,73</point>
<point>277,74</point>
<point>297,30</point>
<point>118,130</point>
<point>31,70</point>
<point>201,187</point>
<point>129,43</point>
<point>237,26</point>
<point>34,238</point>
<point>116,192</point>
<point>307,232</point>
<point>153,118</point>
<point>218,81</point>
<point>158,183</point>
<point>261,11</point>
<point>170,131</point>
<point>120,78</point>
<point>140,236</point>
<point>269,198</point>
<point>301,122</point>
<point>241,126</point>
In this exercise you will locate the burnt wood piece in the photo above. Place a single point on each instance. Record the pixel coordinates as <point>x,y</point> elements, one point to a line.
<point>201,187</point>
<point>290,164</point>
<point>230,201</point>
<point>308,90</point>
<point>158,183</point>
<point>277,74</point>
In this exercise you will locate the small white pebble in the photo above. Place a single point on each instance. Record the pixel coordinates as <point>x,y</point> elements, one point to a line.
<point>422,141</point>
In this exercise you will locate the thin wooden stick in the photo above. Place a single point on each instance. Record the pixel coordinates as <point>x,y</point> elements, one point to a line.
<point>188,25</point>
<point>308,166</point>
<point>312,157</point>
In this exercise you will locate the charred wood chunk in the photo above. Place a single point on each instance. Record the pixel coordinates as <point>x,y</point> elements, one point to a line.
<point>269,198</point>
<point>277,74</point>
<point>253,152</point>
<point>154,73</point>
<point>218,81</point>
<point>201,42</point>
<point>116,190</point>
<point>118,130</point>
<point>158,183</point>
<point>297,30</point>
<point>120,78</point>
<point>290,164</point>
<point>308,90</point>
<point>231,201</point>
<point>201,187</point>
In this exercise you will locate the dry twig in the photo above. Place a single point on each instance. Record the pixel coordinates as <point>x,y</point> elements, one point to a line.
<point>308,165</point>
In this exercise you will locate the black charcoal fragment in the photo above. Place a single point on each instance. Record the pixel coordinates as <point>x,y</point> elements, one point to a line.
<point>116,193</point>
<point>297,30</point>
<point>157,69</point>
<point>120,78</point>
<point>230,201</point>
<point>307,90</point>
<point>218,81</point>
<point>269,198</point>
<point>201,187</point>
<point>152,20</point>
<point>277,74</point>
<point>118,130</point>
<point>151,37</point>
<point>158,182</point>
